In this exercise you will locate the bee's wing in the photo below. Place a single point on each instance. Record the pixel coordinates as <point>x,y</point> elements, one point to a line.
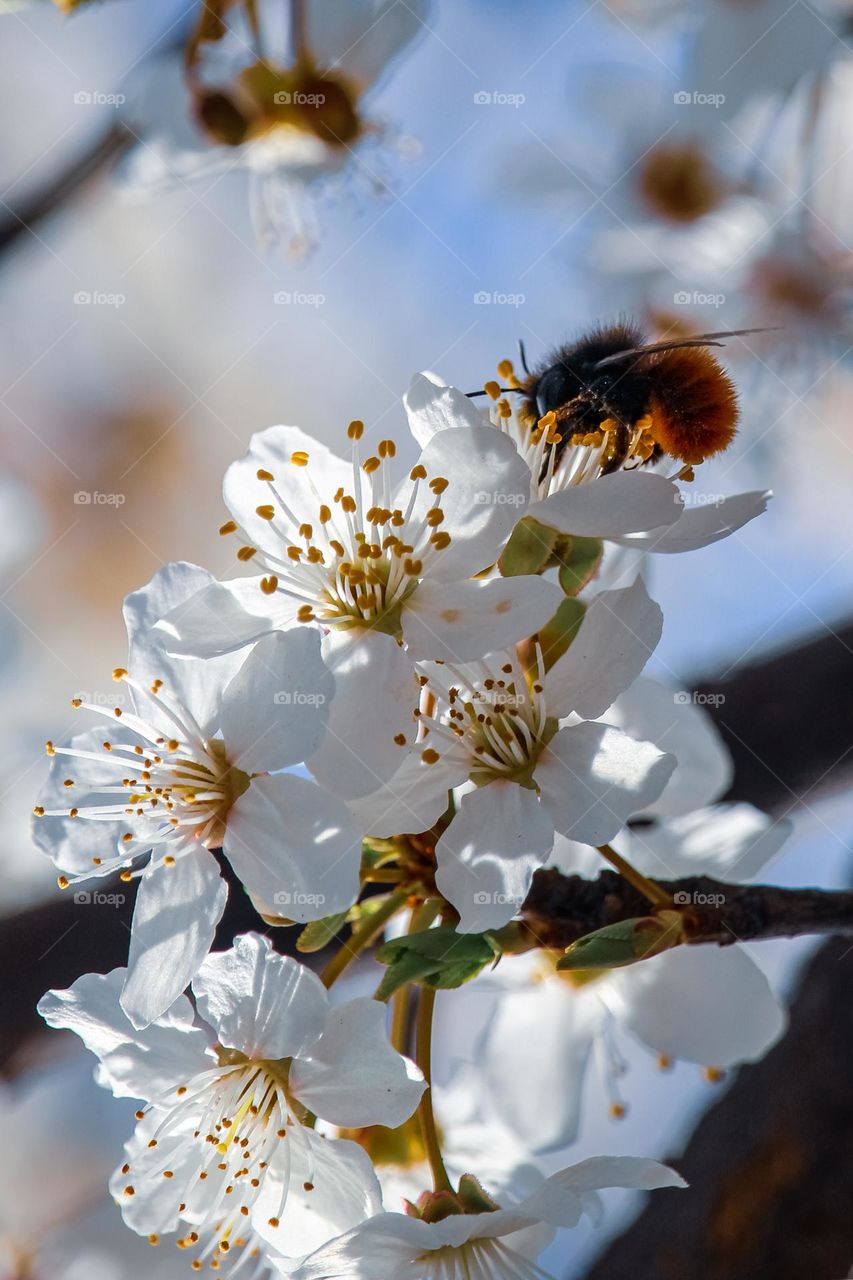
<point>699,340</point>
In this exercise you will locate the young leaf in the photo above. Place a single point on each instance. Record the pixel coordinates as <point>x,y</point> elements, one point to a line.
<point>579,563</point>
<point>439,958</point>
<point>319,933</point>
<point>624,943</point>
<point>559,632</point>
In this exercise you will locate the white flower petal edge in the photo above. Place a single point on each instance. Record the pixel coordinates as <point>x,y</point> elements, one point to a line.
<point>700,526</point>
<point>496,1244</point>
<point>222,1138</point>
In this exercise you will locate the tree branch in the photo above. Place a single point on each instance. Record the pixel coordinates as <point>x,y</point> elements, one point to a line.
<point>560,909</point>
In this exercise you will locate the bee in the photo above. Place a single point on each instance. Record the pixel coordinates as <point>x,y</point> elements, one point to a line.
<point>648,398</point>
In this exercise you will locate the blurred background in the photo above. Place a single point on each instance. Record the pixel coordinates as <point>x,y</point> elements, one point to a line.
<point>525,171</point>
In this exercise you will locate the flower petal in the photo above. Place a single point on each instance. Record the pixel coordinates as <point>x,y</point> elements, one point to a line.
<point>375,696</point>
<point>385,1247</point>
<point>593,778</point>
<point>295,846</point>
<point>275,709</point>
<point>733,842</point>
<point>461,621</point>
<point>135,1064</point>
<point>194,683</point>
<point>625,502</point>
<point>559,1199</point>
<point>562,1022</point>
<point>412,800</point>
<point>683,727</point>
<point>487,856</point>
<point>272,450</point>
<point>364,38</point>
<point>700,526</point>
<point>225,616</point>
<point>488,489</point>
<point>175,916</point>
<point>433,406</point>
<point>343,1192</point>
<point>259,1002</point>
<point>706,1004</point>
<point>352,1077</point>
<point>617,636</point>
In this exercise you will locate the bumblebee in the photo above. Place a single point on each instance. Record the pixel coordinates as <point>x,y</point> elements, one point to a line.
<point>675,395</point>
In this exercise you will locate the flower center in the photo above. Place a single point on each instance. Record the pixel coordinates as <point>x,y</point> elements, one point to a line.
<point>492,717</point>
<point>173,786</point>
<point>354,557</point>
<point>231,1122</point>
<point>679,182</point>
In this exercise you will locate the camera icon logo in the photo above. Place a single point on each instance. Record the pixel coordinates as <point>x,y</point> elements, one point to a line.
<point>82,896</point>
<point>282,898</point>
<point>483,98</point>
<point>681,899</point>
<point>682,98</point>
<point>482,899</point>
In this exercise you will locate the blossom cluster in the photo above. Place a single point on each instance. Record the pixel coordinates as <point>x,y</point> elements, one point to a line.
<point>424,687</point>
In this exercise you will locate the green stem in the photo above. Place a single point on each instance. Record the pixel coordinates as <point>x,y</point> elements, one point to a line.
<point>423,1057</point>
<point>362,935</point>
<point>655,894</point>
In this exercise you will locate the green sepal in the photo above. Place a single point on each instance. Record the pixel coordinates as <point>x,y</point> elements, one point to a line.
<point>529,549</point>
<point>559,632</point>
<point>579,560</point>
<point>317,934</point>
<point>617,945</point>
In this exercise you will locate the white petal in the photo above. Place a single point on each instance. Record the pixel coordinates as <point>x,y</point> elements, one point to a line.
<point>175,916</point>
<point>345,1192</point>
<point>412,800</point>
<point>375,697</point>
<point>363,38</point>
<point>352,1077</point>
<point>195,684</point>
<point>622,503</point>
<point>225,616</point>
<point>432,406</point>
<point>562,1022</point>
<point>272,450</point>
<point>733,842</point>
<point>136,1064</point>
<point>383,1248</point>
<point>593,778</point>
<point>295,846</point>
<point>617,636</point>
<point>700,526</point>
<point>674,722</point>
<point>461,621</point>
<point>487,856</point>
<point>488,489</point>
<point>264,1004</point>
<point>275,709</point>
<point>559,1199</point>
<point>707,1004</point>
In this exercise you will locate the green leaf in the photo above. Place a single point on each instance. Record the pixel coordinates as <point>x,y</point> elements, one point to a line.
<point>529,549</point>
<point>617,945</point>
<point>319,933</point>
<point>579,563</point>
<point>439,958</point>
<point>558,633</point>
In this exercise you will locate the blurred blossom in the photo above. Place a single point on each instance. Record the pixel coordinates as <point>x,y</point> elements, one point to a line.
<point>286,106</point>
